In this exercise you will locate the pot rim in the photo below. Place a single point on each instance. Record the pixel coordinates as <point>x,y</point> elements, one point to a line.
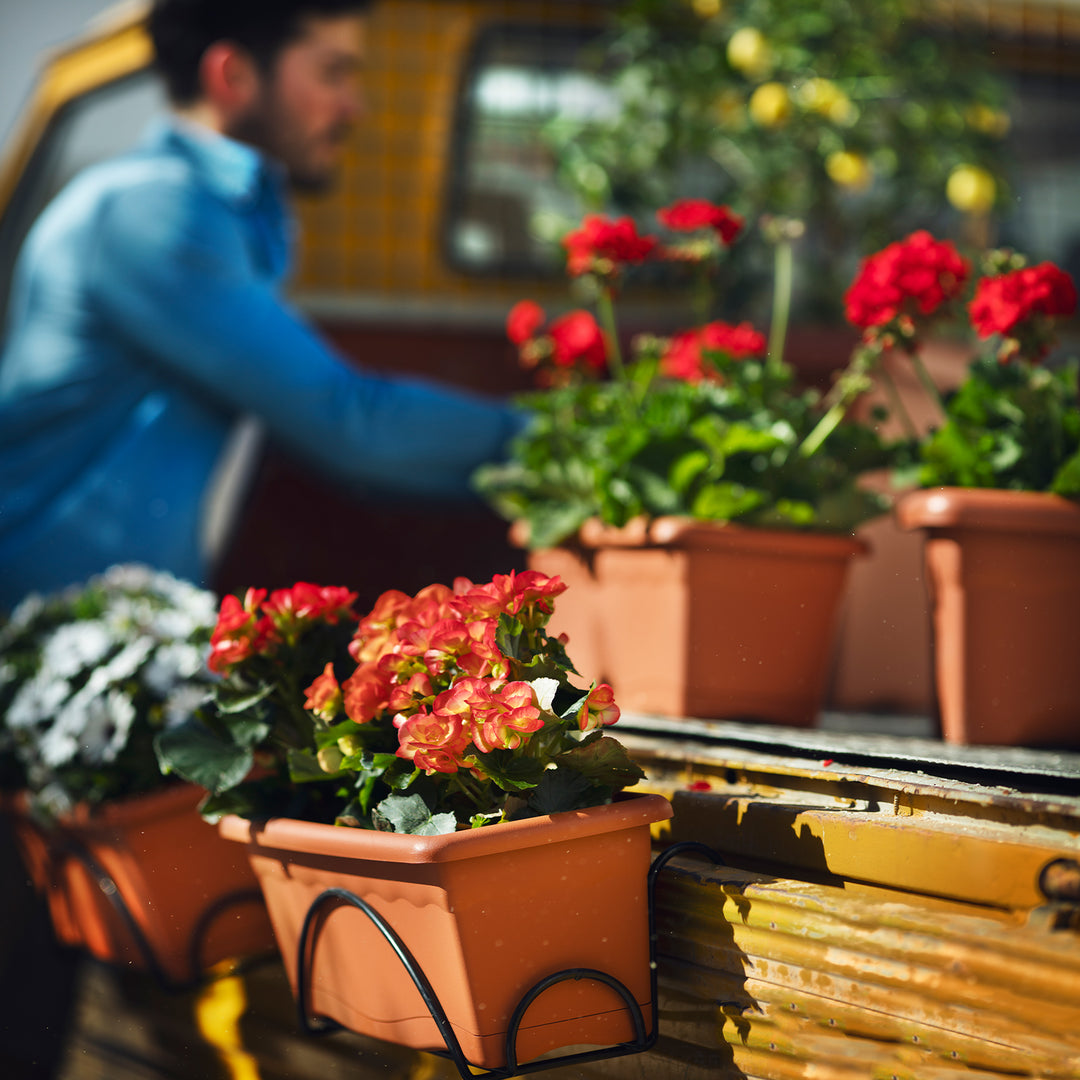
<point>164,801</point>
<point>988,508</point>
<point>686,532</point>
<point>290,834</point>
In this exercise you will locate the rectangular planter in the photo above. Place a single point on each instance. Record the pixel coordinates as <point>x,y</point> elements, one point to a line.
<point>704,620</point>
<point>191,895</point>
<point>486,912</point>
<point>1003,571</point>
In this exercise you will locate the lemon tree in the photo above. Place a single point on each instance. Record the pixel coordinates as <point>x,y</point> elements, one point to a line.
<point>860,117</point>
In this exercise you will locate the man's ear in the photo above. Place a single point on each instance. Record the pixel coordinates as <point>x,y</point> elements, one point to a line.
<point>229,78</point>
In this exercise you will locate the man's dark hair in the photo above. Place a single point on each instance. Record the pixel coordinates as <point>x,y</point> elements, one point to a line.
<point>182,30</point>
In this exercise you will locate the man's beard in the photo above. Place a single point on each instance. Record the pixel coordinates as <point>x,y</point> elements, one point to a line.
<point>259,129</point>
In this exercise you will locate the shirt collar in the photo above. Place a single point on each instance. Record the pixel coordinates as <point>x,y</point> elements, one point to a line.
<point>234,170</point>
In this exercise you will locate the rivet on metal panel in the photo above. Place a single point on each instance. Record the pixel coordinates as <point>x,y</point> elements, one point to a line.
<point>1060,880</point>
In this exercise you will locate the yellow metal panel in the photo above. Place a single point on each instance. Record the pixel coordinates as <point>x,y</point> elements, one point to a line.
<point>120,49</point>
<point>811,980</point>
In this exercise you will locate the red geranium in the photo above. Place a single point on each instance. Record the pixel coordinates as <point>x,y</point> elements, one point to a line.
<point>684,358</point>
<point>1003,303</point>
<point>603,246</point>
<point>689,215</point>
<point>916,275</point>
<point>525,318</point>
<point>576,338</point>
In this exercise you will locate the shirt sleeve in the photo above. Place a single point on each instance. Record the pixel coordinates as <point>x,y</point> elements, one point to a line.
<point>172,278</point>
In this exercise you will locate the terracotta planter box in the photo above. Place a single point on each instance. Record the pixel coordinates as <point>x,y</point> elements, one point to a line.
<point>486,912</point>
<point>688,618</point>
<point>191,895</point>
<point>1003,573</point>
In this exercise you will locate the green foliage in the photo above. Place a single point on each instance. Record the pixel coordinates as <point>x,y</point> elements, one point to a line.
<point>1010,425</point>
<point>723,450</point>
<point>868,108</point>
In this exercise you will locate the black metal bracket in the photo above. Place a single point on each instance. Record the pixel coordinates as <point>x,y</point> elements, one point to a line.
<point>643,1040</point>
<point>68,847</point>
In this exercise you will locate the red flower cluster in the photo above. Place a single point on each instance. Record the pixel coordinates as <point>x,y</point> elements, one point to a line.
<point>690,215</point>
<point>918,274</point>
<point>603,246</point>
<point>1003,303</point>
<point>431,661</point>
<point>258,625</point>
<point>572,340</point>
<point>685,357</point>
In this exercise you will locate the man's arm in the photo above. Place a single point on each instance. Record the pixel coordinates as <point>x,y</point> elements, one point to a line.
<point>170,276</point>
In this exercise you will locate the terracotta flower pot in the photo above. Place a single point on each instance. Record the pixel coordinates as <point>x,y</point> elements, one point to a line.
<point>486,912</point>
<point>191,895</point>
<point>1003,572</point>
<point>688,618</point>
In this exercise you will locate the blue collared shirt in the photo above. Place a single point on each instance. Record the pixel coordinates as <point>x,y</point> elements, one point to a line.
<point>145,320</point>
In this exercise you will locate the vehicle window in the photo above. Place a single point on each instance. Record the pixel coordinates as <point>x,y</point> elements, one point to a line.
<point>505,205</point>
<point>1044,146</point>
<point>89,129</point>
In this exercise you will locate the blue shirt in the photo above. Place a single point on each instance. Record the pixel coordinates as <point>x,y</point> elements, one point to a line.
<point>145,320</point>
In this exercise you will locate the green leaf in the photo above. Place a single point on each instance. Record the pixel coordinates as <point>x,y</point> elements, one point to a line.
<point>229,699</point>
<point>687,469</point>
<point>236,801</point>
<point>202,756</point>
<point>304,767</point>
<point>410,814</point>
<point>510,771</point>
<point>725,502</point>
<point>561,790</point>
<point>1067,480</point>
<point>604,761</point>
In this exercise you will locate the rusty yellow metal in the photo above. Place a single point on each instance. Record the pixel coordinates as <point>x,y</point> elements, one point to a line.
<point>117,47</point>
<point>802,973</point>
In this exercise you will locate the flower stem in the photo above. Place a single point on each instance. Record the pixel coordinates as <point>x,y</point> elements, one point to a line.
<point>606,307</point>
<point>823,429</point>
<point>927,382</point>
<point>783,268</point>
<point>896,402</point>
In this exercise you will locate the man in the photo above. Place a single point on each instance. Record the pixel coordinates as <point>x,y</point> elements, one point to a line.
<point>145,321</point>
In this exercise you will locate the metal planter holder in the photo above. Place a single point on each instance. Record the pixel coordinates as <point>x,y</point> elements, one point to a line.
<point>68,847</point>
<point>317,1025</point>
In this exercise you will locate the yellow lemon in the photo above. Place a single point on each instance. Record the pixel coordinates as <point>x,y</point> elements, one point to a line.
<point>971,189</point>
<point>770,105</point>
<point>825,97</point>
<point>989,121</point>
<point>749,52</point>
<point>849,170</point>
<point>706,9</point>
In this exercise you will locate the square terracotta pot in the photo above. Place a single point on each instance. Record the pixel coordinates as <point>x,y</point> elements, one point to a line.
<point>1003,573</point>
<point>693,619</point>
<point>487,913</point>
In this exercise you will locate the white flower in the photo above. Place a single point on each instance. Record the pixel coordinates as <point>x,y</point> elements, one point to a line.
<point>37,700</point>
<point>26,611</point>
<point>107,723</point>
<point>183,702</point>
<point>126,662</point>
<point>127,577</point>
<point>75,646</point>
<point>172,663</point>
<point>60,743</point>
